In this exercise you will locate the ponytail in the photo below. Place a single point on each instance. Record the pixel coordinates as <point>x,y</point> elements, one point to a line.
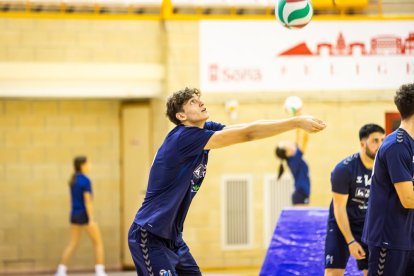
<point>72,179</point>
<point>281,170</point>
<point>281,154</point>
<point>77,164</point>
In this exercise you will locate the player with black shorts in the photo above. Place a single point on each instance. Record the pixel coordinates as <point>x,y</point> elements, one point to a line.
<point>389,224</point>
<point>351,180</point>
<point>155,238</point>
<point>82,218</point>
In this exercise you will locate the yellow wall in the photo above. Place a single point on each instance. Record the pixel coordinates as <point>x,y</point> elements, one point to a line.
<point>51,40</point>
<point>38,138</point>
<point>38,142</point>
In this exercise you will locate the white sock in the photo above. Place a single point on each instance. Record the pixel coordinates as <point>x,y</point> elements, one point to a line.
<point>61,270</point>
<point>100,269</point>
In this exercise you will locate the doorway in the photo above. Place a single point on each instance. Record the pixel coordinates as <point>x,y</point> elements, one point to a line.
<point>135,165</point>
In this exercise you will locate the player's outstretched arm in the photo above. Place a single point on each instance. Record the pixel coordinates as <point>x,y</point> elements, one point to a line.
<point>302,138</point>
<point>262,129</point>
<point>405,193</point>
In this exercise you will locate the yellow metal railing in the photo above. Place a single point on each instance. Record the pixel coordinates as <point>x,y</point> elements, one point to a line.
<point>170,10</point>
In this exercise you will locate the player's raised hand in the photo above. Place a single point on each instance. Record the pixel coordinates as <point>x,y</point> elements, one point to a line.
<point>356,251</point>
<point>311,124</point>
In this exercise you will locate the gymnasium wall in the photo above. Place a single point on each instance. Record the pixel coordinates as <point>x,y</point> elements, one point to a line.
<point>39,137</point>
<point>54,40</point>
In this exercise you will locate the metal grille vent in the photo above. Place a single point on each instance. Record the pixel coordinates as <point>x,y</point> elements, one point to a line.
<point>277,195</point>
<point>237,203</point>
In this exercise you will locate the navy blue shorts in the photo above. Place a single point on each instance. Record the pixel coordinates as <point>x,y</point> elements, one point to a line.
<point>154,255</point>
<point>388,262</point>
<point>79,218</point>
<point>337,250</point>
<point>299,197</point>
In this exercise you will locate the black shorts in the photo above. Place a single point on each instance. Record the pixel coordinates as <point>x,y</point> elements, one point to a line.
<point>388,262</point>
<point>299,197</point>
<point>79,218</point>
<point>337,250</point>
<point>153,255</point>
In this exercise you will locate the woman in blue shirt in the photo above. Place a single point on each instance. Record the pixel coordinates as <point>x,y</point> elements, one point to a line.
<point>82,217</point>
<point>293,152</point>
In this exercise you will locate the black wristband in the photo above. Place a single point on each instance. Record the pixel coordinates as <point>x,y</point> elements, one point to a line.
<point>351,242</point>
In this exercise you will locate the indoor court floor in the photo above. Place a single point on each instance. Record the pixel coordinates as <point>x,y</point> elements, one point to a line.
<point>249,272</point>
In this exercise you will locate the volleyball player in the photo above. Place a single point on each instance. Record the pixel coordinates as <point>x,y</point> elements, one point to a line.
<point>155,238</point>
<point>389,224</point>
<point>351,181</point>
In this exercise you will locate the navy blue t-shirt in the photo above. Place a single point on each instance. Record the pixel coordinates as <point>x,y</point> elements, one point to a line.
<point>351,177</point>
<point>388,224</point>
<point>82,184</point>
<point>176,175</point>
<point>300,172</point>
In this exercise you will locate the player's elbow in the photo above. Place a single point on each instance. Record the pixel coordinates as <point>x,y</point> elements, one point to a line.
<point>250,133</point>
<point>249,136</point>
<point>407,202</point>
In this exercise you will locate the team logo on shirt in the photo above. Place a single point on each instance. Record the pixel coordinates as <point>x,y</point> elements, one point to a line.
<point>200,171</point>
<point>362,192</point>
<point>164,272</point>
<point>195,188</point>
<point>367,180</point>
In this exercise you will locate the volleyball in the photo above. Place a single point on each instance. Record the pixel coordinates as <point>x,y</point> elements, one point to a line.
<point>294,14</point>
<point>293,104</point>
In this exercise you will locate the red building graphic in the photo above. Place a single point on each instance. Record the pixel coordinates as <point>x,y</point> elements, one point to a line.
<point>386,45</point>
<point>299,50</point>
<point>380,45</point>
<point>409,45</point>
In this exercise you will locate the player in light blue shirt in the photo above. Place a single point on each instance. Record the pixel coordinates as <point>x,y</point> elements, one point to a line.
<point>389,223</point>
<point>155,237</point>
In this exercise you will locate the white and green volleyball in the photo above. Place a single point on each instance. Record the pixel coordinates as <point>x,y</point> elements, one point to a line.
<point>294,14</point>
<point>293,104</point>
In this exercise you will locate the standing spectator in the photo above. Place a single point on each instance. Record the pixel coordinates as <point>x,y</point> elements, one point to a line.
<point>82,217</point>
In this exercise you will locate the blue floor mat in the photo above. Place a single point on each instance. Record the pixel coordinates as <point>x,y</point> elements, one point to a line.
<point>297,245</point>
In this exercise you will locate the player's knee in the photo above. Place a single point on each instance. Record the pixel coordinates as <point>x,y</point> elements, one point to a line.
<point>334,272</point>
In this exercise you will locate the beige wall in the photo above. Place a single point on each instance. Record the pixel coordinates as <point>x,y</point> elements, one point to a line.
<point>39,137</point>
<point>51,40</point>
<point>38,142</point>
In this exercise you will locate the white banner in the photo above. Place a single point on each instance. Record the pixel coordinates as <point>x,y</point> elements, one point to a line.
<point>250,56</point>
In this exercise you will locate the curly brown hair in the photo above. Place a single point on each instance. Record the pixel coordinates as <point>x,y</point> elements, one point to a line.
<point>176,101</point>
<point>404,100</point>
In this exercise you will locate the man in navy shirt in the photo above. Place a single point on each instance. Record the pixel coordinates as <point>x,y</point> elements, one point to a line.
<point>155,237</point>
<point>351,180</point>
<point>389,224</point>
